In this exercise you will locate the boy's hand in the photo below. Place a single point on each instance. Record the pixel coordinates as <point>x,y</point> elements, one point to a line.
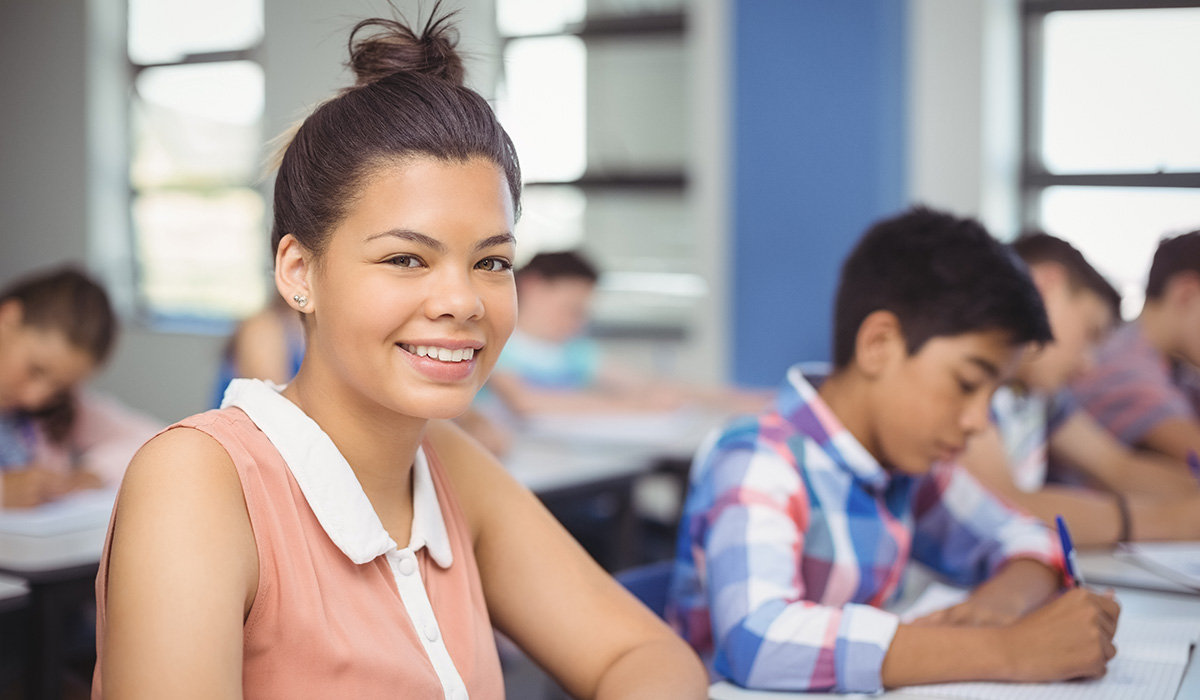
<point>32,486</point>
<point>1069,637</point>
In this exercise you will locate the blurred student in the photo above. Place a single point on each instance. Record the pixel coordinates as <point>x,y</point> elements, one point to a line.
<point>1035,419</point>
<point>800,522</point>
<point>1145,387</point>
<point>338,537</point>
<point>56,328</point>
<point>268,345</point>
<point>550,366</point>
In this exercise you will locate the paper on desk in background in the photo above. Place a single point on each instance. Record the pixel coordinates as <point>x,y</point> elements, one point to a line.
<point>635,428</point>
<point>1176,561</point>
<point>1150,662</point>
<point>72,513</point>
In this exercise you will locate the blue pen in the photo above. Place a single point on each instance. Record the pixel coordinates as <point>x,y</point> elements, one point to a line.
<point>1193,461</point>
<point>1068,552</point>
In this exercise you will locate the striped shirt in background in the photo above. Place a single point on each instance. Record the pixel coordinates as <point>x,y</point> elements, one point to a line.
<point>1025,421</point>
<point>794,536</point>
<point>1133,388</point>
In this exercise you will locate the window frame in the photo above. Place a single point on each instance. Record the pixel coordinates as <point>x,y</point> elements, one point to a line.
<point>142,310</point>
<point>1034,177</point>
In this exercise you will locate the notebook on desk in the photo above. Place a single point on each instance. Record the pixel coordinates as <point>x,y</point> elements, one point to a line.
<point>1154,652</point>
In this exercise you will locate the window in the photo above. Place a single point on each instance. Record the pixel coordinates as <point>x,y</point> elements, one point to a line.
<point>594,94</point>
<point>1111,148</point>
<point>198,220</point>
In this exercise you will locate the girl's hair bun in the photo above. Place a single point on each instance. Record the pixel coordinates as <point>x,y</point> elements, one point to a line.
<point>390,46</point>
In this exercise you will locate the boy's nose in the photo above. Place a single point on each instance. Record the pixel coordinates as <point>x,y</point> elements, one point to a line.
<point>978,414</point>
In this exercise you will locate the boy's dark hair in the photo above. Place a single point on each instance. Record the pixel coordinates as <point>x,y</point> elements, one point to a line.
<point>1036,247</point>
<point>567,264</point>
<point>941,276</point>
<point>1174,255</point>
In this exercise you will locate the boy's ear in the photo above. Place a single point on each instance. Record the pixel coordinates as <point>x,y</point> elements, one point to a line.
<point>1047,276</point>
<point>12,314</point>
<point>1184,287</point>
<point>880,342</point>
<point>293,273</point>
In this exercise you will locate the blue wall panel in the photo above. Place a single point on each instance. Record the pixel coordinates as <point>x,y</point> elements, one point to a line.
<point>819,153</point>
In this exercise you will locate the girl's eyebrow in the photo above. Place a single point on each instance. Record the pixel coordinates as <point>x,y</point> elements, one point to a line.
<point>500,239</point>
<point>408,235</point>
<point>438,246</point>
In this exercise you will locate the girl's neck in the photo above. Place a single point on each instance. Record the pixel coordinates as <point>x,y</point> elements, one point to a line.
<point>380,445</point>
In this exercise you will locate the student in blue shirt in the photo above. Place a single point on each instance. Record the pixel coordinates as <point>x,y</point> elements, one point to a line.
<point>551,366</point>
<point>800,521</point>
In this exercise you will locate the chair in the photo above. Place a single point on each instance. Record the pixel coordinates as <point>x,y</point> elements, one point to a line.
<point>649,584</point>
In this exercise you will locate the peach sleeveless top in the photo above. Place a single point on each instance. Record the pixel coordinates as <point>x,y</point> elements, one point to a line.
<point>341,610</point>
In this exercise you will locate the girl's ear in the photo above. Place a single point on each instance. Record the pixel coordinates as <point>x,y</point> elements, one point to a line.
<point>293,274</point>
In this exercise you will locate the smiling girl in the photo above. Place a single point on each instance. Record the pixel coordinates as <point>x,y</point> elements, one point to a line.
<point>337,538</point>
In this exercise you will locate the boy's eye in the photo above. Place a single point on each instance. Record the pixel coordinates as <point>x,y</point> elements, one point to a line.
<point>405,261</point>
<point>494,265</point>
<point>967,387</point>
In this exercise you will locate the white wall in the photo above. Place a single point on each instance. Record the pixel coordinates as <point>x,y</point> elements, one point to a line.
<point>964,108</point>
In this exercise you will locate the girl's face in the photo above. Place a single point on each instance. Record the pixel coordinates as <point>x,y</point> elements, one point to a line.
<point>413,298</point>
<point>36,364</point>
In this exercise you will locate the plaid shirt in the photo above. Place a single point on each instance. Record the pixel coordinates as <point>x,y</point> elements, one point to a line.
<point>793,537</point>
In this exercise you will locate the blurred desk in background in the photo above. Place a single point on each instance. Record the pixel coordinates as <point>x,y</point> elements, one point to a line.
<point>56,548</point>
<point>609,477</point>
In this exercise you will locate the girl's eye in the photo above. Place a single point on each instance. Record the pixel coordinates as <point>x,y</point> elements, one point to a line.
<point>405,261</point>
<point>967,387</point>
<point>494,265</point>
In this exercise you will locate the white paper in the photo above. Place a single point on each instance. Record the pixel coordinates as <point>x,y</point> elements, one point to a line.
<point>1177,561</point>
<point>1151,659</point>
<point>72,513</point>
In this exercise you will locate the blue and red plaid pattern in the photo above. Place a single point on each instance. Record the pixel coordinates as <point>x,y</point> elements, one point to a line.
<point>793,538</point>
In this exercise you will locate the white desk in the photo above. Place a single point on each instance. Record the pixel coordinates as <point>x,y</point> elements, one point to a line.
<point>1134,601</point>
<point>56,548</point>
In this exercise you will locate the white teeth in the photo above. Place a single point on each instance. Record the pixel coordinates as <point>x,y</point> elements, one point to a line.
<point>442,354</point>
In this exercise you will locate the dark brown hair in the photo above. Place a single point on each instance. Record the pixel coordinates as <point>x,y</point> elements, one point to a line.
<point>1036,247</point>
<point>941,275</point>
<point>1174,255</point>
<point>567,264</point>
<point>68,301</point>
<point>408,101</point>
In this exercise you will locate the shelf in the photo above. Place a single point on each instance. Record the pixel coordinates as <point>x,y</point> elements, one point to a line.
<point>628,181</point>
<point>615,27</point>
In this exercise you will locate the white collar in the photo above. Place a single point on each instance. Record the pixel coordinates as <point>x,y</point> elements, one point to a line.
<point>329,484</point>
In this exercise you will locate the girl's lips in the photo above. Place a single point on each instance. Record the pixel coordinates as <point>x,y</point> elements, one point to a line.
<point>437,369</point>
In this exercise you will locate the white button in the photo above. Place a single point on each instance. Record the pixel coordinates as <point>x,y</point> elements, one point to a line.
<point>431,631</point>
<point>407,565</point>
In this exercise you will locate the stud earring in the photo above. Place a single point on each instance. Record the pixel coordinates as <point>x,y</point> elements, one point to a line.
<point>300,299</point>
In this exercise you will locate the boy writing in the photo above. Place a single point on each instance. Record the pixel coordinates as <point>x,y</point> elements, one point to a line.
<point>1035,418</point>
<point>799,522</point>
<point>1144,387</point>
